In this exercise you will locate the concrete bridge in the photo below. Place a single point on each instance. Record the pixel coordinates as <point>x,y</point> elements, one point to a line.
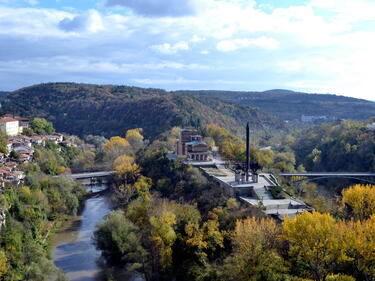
<point>311,176</point>
<point>101,174</point>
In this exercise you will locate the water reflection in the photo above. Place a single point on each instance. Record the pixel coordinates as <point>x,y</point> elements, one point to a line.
<point>74,251</point>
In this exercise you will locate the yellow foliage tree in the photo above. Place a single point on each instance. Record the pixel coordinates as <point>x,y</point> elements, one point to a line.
<point>360,201</point>
<point>3,263</point>
<point>254,256</point>
<point>126,169</point>
<point>360,245</point>
<point>163,236</point>
<point>316,243</point>
<point>339,277</point>
<point>115,147</point>
<point>135,138</point>
<point>142,186</point>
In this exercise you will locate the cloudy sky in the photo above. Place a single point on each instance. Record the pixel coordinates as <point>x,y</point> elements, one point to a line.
<point>305,45</point>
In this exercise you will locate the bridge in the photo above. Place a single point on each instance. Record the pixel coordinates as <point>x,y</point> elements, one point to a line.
<point>101,174</point>
<point>361,176</point>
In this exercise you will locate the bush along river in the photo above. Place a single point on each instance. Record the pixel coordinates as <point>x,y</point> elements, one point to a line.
<point>73,248</point>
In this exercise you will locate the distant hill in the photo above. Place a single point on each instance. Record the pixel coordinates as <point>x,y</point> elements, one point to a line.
<point>3,94</point>
<point>289,105</point>
<point>110,110</point>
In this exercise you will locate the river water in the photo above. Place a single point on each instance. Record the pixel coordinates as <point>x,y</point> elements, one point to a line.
<point>73,249</point>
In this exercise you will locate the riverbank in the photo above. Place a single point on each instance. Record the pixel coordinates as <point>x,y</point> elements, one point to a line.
<point>73,249</point>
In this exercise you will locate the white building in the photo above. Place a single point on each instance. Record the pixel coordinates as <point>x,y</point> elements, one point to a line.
<point>9,126</point>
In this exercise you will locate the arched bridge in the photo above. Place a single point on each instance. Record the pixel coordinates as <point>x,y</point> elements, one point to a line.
<point>368,177</point>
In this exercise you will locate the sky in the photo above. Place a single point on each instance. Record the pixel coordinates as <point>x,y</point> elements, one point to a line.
<point>318,46</point>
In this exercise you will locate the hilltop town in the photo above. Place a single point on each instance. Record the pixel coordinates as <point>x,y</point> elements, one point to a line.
<point>20,146</point>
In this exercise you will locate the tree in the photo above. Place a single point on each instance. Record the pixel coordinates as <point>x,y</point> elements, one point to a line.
<point>3,263</point>
<point>126,169</point>
<point>359,201</point>
<point>163,236</point>
<point>41,126</point>
<point>315,243</point>
<point>254,256</point>
<point>135,138</point>
<point>360,246</point>
<point>118,238</point>
<point>116,147</point>
<point>142,186</point>
<point>3,143</point>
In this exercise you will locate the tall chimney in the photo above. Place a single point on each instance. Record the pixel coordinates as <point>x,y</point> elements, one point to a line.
<point>247,151</point>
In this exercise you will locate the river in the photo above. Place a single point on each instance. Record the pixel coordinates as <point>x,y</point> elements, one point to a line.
<point>73,249</point>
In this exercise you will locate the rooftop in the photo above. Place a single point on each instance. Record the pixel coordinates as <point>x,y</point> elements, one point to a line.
<point>7,119</point>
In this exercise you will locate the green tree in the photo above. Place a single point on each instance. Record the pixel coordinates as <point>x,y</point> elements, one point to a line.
<point>3,143</point>
<point>118,238</point>
<point>41,126</point>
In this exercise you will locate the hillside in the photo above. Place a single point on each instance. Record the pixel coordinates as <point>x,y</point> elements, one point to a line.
<point>110,110</point>
<point>342,146</point>
<point>3,94</point>
<point>289,105</point>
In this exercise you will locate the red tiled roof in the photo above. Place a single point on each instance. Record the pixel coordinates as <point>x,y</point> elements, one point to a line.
<point>7,119</point>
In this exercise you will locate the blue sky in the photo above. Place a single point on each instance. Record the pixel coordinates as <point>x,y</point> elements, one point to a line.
<point>324,46</point>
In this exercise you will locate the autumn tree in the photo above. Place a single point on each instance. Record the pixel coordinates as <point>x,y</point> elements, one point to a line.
<point>135,138</point>
<point>359,201</point>
<point>126,169</point>
<point>116,147</point>
<point>255,256</point>
<point>360,246</point>
<point>163,234</point>
<point>315,244</point>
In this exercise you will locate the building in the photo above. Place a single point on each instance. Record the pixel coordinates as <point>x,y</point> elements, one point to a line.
<point>191,145</point>
<point>371,126</point>
<point>9,126</point>
<point>23,123</point>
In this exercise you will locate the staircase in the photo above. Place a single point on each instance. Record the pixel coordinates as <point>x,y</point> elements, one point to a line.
<point>263,194</point>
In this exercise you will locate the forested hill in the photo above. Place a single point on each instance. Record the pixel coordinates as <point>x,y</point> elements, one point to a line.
<point>289,105</point>
<point>110,110</point>
<point>3,94</point>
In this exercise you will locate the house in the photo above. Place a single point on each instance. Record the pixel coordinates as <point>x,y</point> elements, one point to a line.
<point>371,126</point>
<point>9,147</point>
<point>191,145</point>
<point>23,123</point>
<point>38,140</point>
<point>20,141</point>
<point>9,126</point>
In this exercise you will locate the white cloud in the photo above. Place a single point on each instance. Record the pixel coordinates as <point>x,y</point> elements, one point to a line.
<point>236,44</point>
<point>90,21</point>
<point>326,44</point>
<point>168,49</point>
<point>197,39</point>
